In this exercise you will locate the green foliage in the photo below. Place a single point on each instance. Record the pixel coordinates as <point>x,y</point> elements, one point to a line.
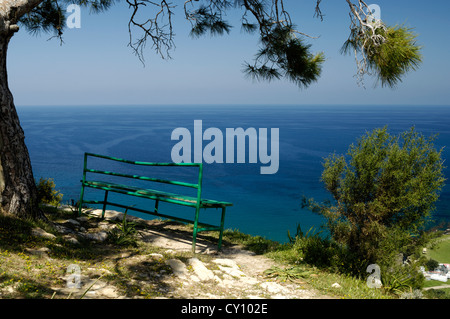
<point>312,248</point>
<point>208,20</point>
<point>15,232</point>
<point>383,194</point>
<point>46,193</point>
<point>431,264</point>
<point>399,278</point>
<point>125,233</point>
<point>283,54</point>
<point>396,56</point>
<point>440,249</point>
<point>437,294</point>
<point>257,244</point>
<point>288,274</point>
<point>390,53</point>
<point>50,16</point>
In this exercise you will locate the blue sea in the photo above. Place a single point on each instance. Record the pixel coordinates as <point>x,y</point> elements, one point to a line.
<point>266,205</point>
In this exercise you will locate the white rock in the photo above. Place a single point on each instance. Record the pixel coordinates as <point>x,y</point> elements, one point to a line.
<point>178,268</point>
<point>227,283</point>
<point>104,225</point>
<point>39,232</point>
<point>249,280</point>
<point>234,272</point>
<point>336,285</point>
<point>72,240</point>
<point>274,288</point>
<point>42,252</point>
<point>200,270</point>
<point>99,236</point>
<point>73,222</point>
<point>63,230</point>
<point>226,262</point>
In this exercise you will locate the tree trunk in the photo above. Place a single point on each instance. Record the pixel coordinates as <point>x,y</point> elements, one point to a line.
<point>17,185</point>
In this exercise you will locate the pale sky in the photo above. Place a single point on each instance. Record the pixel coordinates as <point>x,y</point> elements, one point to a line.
<point>95,66</point>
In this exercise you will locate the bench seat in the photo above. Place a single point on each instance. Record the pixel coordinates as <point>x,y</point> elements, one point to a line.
<point>155,194</point>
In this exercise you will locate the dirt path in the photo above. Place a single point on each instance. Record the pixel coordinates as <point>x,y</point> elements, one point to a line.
<point>231,273</point>
<point>437,287</point>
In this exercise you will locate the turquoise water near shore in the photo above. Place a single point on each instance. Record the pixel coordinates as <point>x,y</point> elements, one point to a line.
<point>266,205</point>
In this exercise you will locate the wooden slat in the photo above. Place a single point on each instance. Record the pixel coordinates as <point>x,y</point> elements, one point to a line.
<point>154,194</point>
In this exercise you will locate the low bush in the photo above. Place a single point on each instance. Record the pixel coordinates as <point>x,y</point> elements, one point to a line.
<point>46,192</point>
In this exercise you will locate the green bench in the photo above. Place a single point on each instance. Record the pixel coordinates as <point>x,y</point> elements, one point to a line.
<point>179,198</point>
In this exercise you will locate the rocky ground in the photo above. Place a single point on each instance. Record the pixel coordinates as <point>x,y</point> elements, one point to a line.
<point>173,272</point>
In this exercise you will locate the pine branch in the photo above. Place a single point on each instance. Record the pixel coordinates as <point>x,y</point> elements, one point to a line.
<point>387,53</point>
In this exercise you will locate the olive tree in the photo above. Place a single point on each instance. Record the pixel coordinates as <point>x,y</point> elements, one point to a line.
<point>284,53</point>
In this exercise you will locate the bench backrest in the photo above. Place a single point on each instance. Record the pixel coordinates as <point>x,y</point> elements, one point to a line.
<point>197,185</point>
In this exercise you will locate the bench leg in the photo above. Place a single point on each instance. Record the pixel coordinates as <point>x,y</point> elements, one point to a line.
<point>80,202</point>
<point>156,206</point>
<point>104,204</point>
<point>222,223</point>
<point>194,234</point>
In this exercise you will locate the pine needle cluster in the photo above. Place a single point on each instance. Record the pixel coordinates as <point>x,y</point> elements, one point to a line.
<point>388,52</point>
<point>284,55</point>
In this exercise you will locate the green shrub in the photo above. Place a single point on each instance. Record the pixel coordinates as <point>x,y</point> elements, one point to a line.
<point>124,234</point>
<point>431,264</point>
<point>46,192</point>
<point>401,278</point>
<point>384,192</point>
<point>257,244</point>
<point>312,248</point>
